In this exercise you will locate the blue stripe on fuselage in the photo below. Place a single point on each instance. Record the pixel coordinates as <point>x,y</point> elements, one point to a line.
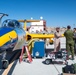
<point>5,30</point>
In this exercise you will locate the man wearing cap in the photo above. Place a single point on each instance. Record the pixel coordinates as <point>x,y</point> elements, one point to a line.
<point>69,41</point>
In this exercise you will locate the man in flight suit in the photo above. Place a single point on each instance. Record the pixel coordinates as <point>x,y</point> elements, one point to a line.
<point>69,41</point>
<point>57,36</point>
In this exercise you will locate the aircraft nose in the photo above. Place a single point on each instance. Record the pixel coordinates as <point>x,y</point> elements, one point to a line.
<point>6,34</point>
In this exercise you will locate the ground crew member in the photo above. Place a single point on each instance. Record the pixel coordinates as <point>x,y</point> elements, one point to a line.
<point>57,36</point>
<point>69,41</point>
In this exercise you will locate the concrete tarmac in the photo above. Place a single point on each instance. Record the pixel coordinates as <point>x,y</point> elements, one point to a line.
<point>37,67</point>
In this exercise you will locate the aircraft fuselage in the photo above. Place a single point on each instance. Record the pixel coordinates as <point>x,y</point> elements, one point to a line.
<point>11,38</point>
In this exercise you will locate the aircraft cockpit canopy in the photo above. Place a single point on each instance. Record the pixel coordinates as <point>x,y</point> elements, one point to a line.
<point>11,23</point>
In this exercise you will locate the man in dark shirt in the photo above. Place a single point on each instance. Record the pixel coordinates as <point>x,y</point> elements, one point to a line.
<point>69,41</point>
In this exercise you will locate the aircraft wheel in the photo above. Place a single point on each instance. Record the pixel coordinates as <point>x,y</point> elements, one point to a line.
<point>47,61</point>
<point>5,64</point>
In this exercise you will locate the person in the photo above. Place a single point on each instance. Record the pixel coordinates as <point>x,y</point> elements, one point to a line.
<point>69,42</point>
<point>74,31</point>
<point>57,36</point>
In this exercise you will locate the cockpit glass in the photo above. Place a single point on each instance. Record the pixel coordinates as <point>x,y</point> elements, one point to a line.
<point>11,23</point>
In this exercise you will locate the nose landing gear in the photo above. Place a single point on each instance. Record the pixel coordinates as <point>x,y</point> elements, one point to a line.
<point>5,62</point>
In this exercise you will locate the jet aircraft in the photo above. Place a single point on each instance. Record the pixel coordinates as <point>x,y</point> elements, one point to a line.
<point>12,37</point>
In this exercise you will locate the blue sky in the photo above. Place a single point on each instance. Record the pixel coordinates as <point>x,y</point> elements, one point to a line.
<point>55,12</point>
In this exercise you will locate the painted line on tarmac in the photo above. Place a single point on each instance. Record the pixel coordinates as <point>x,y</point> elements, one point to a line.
<point>12,68</point>
<point>10,65</point>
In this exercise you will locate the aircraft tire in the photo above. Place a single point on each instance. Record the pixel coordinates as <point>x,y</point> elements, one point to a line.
<point>47,61</point>
<point>5,64</point>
